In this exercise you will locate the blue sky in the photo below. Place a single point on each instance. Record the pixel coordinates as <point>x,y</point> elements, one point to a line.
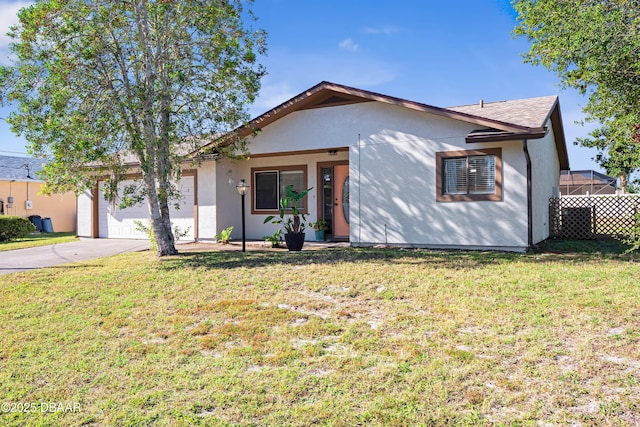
<point>439,53</point>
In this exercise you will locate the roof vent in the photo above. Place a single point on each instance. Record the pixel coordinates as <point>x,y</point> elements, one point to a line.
<point>481,103</point>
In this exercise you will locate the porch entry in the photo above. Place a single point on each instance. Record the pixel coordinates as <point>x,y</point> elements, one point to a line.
<point>333,181</point>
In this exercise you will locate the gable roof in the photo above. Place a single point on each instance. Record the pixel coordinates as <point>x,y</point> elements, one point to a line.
<point>20,168</point>
<point>497,121</point>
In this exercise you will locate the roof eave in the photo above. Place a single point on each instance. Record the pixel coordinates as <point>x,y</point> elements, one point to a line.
<point>535,133</point>
<point>310,96</point>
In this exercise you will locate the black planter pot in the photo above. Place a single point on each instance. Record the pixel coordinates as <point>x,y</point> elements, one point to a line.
<point>295,241</point>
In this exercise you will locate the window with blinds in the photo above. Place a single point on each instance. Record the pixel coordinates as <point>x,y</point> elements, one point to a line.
<point>469,175</point>
<point>269,186</point>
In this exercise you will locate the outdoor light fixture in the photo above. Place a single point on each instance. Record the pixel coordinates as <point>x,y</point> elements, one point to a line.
<point>333,152</point>
<point>242,188</point>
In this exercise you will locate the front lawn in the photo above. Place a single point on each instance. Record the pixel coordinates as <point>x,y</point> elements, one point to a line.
<point>38,239</point>
<point>338,337</point>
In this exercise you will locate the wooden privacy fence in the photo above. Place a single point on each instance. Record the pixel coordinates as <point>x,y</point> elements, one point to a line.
<point>590,217</point>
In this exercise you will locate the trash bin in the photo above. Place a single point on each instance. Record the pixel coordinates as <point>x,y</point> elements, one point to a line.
<point>36,220</point>
<point>47,225</point>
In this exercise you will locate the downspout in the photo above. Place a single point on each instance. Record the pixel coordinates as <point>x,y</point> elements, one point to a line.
<point>527,158</point>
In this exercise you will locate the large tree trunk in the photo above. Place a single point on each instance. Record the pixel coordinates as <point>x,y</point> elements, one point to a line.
<point>160,220</point>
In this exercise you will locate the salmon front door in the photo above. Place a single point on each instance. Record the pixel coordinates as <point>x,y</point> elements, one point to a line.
<point>341,201</point>
<point>333,203</point>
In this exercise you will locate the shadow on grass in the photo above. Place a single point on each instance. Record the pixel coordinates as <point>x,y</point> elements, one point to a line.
<point>584,247</point>
<point>553,251</point>
<point>235,259</point>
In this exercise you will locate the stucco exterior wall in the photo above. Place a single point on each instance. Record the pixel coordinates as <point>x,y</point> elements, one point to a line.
<point>394,187</point>
<point>315,129</point>
<point>392,154</point>
<point>545,175</point>
<point>207,213</point>
<point>229,201</point>
<point>61,208</point>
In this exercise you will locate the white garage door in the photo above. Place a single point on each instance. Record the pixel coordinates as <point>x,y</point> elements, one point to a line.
<point>118,223</point>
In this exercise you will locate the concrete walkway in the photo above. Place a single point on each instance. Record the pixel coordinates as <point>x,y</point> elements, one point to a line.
<point>52,255</point>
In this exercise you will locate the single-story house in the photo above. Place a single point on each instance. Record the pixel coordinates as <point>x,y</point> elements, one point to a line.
<point>585,182</point>
<point>20,194</point>
<point>384,170</point>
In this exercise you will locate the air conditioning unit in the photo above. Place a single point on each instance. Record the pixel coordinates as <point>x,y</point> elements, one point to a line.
<point>28,205</point>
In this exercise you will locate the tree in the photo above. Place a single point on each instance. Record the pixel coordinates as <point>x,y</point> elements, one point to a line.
<point>593,46</point>
<point>99,81</point>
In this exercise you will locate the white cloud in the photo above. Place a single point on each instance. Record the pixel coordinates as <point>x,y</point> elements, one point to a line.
<point>271,95</point>
<point>292,72</point>
<point>348,45</point>
<point>385,30</point>
<point>8,17</point>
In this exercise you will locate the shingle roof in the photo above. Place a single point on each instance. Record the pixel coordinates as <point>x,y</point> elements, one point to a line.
<point>19,168</point>
<point>530,112</point>
<point>521,119</point>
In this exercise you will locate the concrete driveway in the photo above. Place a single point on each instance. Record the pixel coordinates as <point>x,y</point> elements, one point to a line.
<point>52,255</point>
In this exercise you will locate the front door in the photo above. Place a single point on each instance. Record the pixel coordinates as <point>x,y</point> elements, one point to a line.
<point>341,201</point>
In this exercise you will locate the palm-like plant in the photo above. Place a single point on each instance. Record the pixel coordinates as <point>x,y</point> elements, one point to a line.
<point>290,216</point>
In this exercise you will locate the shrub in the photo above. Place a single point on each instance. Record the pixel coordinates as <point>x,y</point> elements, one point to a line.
<point>224,236</point>
<point>633,239</point>
<point>14,227</point>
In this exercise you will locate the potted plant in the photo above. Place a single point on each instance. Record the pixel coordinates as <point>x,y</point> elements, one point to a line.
<point>291,218</point>
<point>320,226</point>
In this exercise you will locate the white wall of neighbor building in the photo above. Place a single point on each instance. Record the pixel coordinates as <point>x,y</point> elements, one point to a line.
<point>545,174</point>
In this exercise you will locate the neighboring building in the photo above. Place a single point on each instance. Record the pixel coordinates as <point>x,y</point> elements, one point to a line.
<point>583,182</point>
<point>19,194</point>
<point>384,171</point>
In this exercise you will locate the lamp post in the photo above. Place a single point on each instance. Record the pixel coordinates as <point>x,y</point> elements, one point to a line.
<point>242,188</point>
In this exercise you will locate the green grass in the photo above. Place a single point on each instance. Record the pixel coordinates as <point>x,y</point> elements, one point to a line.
<point>337,337</point>
<point>40,239</point>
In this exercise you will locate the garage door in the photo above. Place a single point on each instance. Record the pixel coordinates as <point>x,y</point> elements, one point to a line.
<point>118,223</point>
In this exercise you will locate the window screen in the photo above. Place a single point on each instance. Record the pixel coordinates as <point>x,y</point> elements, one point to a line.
<point>469,175</point>
<point>266,190</point>
<point>295,178</point>
<point>269,187</point>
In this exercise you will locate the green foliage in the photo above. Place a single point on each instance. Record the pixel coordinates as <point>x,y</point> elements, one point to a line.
<point>13,227</point>
<point>319,225</point>
<point>178,233</point>
<point>146,228</point>
<point>224,236</point>
<point>275,239</point>
<point>633,239</point>
<point>101,82</point>
<point>593,46</point>
<point>290,216</point>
